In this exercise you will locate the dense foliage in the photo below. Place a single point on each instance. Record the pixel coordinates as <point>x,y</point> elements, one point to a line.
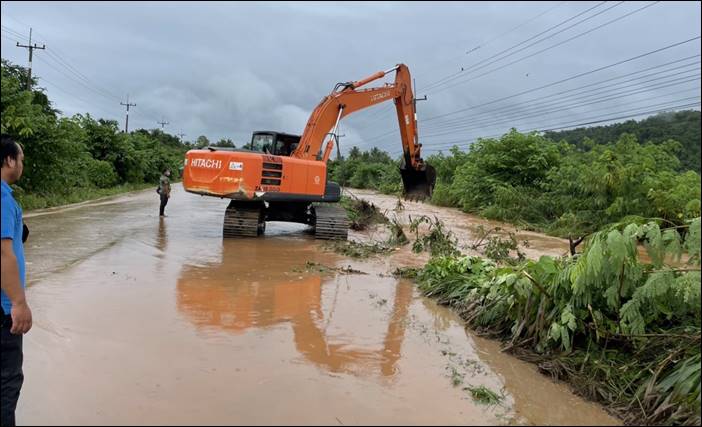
<point>528,179</point>
<point>556,187</point>
<point>682,126</point>
<point>72,158</point>
<point>624,327</point>
<point>621,320</point>
<point>373,169</point>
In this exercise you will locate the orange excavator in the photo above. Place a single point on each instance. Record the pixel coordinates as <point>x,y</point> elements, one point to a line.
<point>283,177</point>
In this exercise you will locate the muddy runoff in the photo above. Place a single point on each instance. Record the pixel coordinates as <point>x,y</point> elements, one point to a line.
<point>141,320</point>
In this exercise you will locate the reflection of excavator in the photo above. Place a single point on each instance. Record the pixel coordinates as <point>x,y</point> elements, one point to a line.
<point>282,177</point>
<point>209,297</point>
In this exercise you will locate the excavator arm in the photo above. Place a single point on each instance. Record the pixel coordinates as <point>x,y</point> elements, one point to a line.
<point>346,98</point>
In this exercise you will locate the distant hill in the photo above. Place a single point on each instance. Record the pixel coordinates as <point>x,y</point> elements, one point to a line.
<point>682,126</point>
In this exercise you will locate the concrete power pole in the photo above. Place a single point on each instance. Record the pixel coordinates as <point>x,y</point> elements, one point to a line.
<point>163,123</point>
<point>181,135</point>
<point>126,122</point>
<point>31,49</point>
<point>338,146</point>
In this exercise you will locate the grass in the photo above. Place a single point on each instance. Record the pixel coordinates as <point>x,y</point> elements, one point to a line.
<point>456,377</point>
<point>555,313</point>
<point>406,272</point>
<point>484,395</point>
<point>362,214</point>
<point>358,250</point>
<point>397,234</point>
<point>315,267</point>
<point>438,241</point>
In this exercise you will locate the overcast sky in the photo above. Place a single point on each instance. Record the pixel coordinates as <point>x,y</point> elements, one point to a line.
<point>224,70</point>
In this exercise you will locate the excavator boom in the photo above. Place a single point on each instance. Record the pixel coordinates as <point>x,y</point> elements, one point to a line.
<point>418,178</point>
<point>283,177</point>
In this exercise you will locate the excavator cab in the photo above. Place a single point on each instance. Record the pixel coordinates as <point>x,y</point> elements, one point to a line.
<point>284,177</point>
<point>273,143</point>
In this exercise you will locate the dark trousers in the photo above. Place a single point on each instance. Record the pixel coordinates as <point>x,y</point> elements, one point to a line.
<point>12,376</point>
<point>164,202</point>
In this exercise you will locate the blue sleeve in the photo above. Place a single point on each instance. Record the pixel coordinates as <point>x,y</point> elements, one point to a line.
<point>8,220</point>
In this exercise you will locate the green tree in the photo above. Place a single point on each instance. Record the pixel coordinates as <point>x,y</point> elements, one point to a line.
<point>515,161</point>
<point>225,142</point>
<point>65,156</point>
<point>202,142</point>
<point>681,126</point>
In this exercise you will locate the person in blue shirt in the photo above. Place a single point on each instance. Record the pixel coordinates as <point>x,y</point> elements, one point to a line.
<point>17,317</point>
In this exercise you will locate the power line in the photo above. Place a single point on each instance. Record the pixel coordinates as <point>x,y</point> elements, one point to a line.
<point>89,84</point>
<point>126,122</point>
<point>31,48</point>
<point>384,114</point>
<point>54,61</point>
<point>383,110</point>
<point>76,81</point>
<point>633,58</point>
<point>446,123</point>
<point>691,104</point>
<point>564,80</point>
<point>56,86</point>
<point>10,36</point>
<point>55,55</point>
<point>518,26</point>
<point>58,63</point>
<point>424,121</point>
<point>462,119</point>
<point>87,103</point>
<point>517,108</point>
<point>482,124</point>
<point>11,32</point>
<point>473,67</point>
<point>548,48</point>
<point>573,125</point>
<point>379,116</point>
<point>78,76</point>
<point>445,144</point>
<point>589,120</point>
<point>73,70</point>
<point>15,19</point>
<point>484,44</point>
<point>515,120</point>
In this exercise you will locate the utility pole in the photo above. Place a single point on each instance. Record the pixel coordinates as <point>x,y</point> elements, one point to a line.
<point>416,135</point>
<point>126,122</point>
<point>162,124</point>
<point>31,49</point>
<point>181,135</point>
<point>338,146</point>
<point>415,96</point>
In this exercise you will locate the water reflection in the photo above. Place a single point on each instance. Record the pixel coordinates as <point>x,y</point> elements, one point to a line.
<point>253,286</point>
<point>162,236</point>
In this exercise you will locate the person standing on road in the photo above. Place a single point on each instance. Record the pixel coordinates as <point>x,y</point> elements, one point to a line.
<point>16,316</point>
<point>164,189</point>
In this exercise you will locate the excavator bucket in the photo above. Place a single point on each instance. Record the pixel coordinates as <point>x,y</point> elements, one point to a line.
<point>418,185</point>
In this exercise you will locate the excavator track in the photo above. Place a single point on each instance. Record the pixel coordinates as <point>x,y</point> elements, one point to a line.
<point>243,220</point>
<point>331,222</point>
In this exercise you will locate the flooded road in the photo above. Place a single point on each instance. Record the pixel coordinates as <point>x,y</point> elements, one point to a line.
<point>464,226</point>
<point>141,320</point>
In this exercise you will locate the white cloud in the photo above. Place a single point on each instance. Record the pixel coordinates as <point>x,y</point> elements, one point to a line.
<point>226,69</point>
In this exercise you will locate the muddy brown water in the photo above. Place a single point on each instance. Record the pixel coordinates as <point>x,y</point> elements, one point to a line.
<point>141,320</point>
<point>464,226</point>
